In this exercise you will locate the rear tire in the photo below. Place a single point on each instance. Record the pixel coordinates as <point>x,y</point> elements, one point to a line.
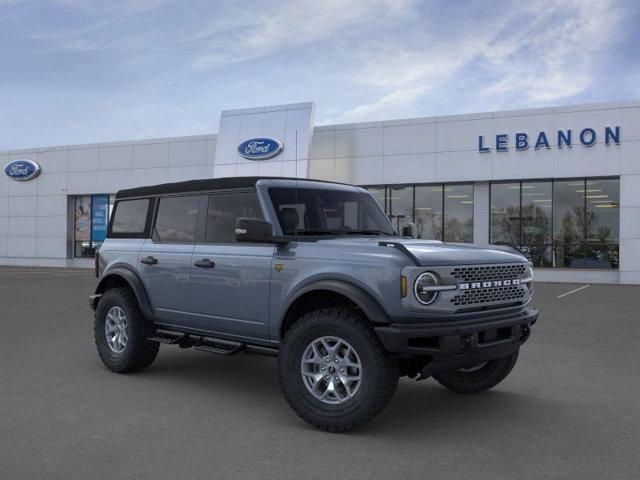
<point>121,332</point>
<point>472,381</point>
<point>351,341</point>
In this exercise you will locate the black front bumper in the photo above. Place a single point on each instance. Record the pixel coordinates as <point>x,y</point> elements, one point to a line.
<point>459,344</point>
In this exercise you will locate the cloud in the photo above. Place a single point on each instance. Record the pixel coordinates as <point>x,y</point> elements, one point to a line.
<point>210,34</point>
<point>87,26</point>
<point>101,8</point>
<point>554,63</point>
<point>407,76</point>
<point>287,25</point>
<point>398,98</point>
<point>120,69</point>
<point>541,53</point>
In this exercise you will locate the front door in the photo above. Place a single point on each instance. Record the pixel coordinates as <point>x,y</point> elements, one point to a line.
<point>165,259</point>
<point>230,281</point>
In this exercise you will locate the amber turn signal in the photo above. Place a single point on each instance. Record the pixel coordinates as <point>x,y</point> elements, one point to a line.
<point>403,286</point>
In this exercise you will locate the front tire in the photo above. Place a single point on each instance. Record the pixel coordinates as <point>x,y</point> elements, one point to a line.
<point>334,371</point>
<point>121,331</point>
<point>479,378</point>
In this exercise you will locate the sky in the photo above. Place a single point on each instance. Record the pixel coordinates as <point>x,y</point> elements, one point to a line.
<point>80,71</point>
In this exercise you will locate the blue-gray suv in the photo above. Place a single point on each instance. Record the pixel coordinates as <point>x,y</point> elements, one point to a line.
<point>313,273</point>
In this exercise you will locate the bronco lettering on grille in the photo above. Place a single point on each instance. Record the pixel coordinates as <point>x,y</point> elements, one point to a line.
<point>493,283</point>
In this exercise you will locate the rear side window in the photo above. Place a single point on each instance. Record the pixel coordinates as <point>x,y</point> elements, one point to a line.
<point>130,217</point>
<point>224,210</point>
<point>176,219</point>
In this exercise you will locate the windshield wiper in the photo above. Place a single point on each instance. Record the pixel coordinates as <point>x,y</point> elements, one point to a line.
<point>314,231</point>
<point>365,232</point>
<point>326,231</point>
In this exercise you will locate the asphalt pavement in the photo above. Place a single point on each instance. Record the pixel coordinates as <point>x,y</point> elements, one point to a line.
<point>569,409</point>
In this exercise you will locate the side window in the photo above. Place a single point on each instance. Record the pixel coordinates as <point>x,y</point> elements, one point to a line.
<point>176,219</point>
<point>224,210</point>
<point>130,216</point>
<point>293,217</point>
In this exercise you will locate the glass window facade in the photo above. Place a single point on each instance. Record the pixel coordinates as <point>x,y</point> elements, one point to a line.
<point>440,212</point>
<point>90,220</point>
<point>536,204</point>
<point>428,211</point>
<point>400,205</point>
<point>505,213</point>
<point>458,213</point>
<point>561,223</point>
<point>603,223</point>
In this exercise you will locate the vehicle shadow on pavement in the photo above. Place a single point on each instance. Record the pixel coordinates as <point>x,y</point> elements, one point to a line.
<point>420,405</point>
<point>234,374</point>
<point>253,381</point>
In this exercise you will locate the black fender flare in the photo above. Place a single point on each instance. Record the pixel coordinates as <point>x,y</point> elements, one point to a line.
<point>133,281</point>
<point>371,308</point>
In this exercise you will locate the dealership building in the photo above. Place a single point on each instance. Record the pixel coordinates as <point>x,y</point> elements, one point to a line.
<point>562,184</point>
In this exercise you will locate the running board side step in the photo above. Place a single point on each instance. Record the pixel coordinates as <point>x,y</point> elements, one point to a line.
<point>220,346</point>
<point>168,336</point>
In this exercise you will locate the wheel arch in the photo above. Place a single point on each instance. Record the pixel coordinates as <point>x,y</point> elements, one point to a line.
<point>124,277</point>
<point>328,293</point>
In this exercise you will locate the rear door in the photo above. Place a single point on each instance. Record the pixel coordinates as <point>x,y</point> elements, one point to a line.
<point>230,281</point>
<point>165,259</point>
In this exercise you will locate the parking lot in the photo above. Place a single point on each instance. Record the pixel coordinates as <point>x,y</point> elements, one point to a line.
<point>570,408</point>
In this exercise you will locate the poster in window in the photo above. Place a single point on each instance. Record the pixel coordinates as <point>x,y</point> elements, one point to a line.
<point>82,229</point>
<point>99,217</point>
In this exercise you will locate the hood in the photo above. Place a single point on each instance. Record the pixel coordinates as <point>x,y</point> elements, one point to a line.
<point>437,253</point>
<point>434,253</point>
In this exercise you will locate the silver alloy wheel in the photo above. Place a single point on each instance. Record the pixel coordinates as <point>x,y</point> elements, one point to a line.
<point>474,368</point>
<point>116,330</point>
<point>331,370</point>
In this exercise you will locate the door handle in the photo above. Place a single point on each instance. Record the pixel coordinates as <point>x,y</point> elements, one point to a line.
<point>149,260</point>
<point>204,263</point>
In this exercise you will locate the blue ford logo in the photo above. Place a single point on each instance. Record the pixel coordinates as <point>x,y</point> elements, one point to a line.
<point>22,170</point>
<point>260,148</point>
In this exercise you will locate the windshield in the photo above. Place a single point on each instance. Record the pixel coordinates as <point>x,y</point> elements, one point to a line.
<point>314,211</point>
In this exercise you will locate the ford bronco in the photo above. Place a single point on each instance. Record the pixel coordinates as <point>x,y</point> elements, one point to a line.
<point>311,272</point>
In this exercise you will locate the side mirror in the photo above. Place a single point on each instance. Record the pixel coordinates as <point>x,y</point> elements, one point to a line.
<point>410,230</point>
<point>253,230</point>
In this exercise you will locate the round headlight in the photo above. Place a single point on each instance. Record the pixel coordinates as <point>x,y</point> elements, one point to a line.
<point>422,290</point>
<point>529,276</point>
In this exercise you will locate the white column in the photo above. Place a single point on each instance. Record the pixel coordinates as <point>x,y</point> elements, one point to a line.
<point>481,209</point>
<point>629,229</point>
<point>291,124</point>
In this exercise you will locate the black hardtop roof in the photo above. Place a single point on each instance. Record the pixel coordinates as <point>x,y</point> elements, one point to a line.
<point>205,184</point>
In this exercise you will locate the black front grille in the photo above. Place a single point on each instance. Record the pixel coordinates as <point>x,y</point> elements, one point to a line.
<point>488,272</point>
<point>480,296</point>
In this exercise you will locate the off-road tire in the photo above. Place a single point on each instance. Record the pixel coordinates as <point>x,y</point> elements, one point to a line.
<point>487,377</point>
<point>379,372</point>
<point>139,352</point>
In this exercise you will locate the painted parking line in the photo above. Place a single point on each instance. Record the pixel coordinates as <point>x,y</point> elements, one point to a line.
<point>40,272</point>
<point>71,274</point>
<point>573,291</point>
<point>20,271</point>
<point>24,273</point>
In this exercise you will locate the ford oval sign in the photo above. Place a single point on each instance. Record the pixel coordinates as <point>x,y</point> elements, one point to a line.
<point>260,148</point>
<point>22,170</point>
